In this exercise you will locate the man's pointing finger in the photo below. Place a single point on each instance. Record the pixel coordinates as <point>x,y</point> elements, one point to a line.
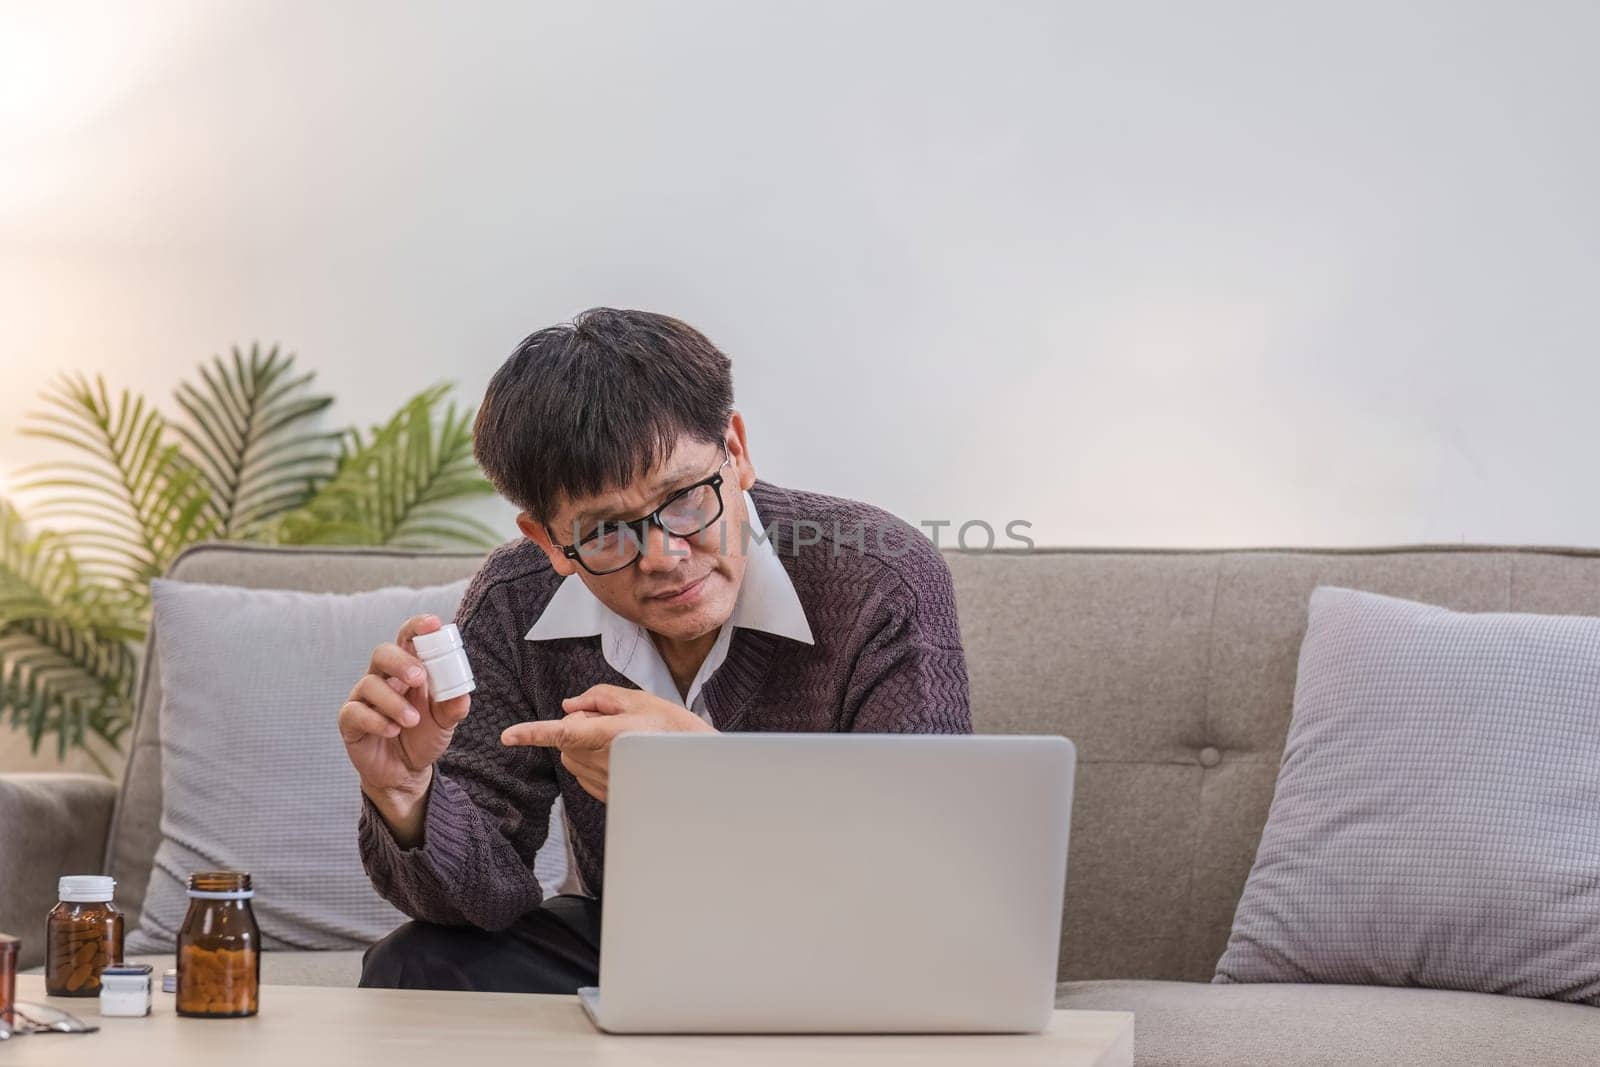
<point>578,730</point>
<point>541,733</point>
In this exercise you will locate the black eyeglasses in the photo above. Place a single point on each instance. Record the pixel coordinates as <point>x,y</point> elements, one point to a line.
<point>615,544</point>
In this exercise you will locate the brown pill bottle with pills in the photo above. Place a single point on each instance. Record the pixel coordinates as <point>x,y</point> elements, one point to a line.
<point>83,936</point>
<point>219,948</point>
<point>9,948</point>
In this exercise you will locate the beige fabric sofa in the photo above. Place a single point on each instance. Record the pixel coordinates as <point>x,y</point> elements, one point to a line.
<point>1174,674</point>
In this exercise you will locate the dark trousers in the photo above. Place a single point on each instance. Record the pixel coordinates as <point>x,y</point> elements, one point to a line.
<point>553,949</point>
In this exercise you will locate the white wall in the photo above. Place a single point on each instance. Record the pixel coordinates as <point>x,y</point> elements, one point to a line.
<point>1160,273</point>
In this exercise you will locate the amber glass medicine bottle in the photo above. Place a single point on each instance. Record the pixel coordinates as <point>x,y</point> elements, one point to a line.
<point>219,948</point>
<point>9,947</point>
<point>83,936</point>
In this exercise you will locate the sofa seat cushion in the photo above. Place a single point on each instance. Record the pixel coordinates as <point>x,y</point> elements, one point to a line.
<point>336,968</point>
<point>1195,1024</point>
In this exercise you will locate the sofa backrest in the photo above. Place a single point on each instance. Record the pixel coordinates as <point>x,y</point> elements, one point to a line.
<point>1172,671</point>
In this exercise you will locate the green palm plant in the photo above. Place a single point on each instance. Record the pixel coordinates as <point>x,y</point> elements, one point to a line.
<point>136,503</point>
<point>67,664</point>
<point>245,463</point>
<point>246,433</point>
<point>398,484</point>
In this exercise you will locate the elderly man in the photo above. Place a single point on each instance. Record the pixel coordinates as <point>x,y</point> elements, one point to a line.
<point>658,586</point>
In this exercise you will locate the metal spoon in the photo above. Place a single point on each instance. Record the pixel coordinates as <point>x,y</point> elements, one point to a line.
<point>43,1019</point>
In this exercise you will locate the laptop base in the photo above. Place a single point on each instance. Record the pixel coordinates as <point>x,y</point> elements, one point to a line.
<point>589,997</point>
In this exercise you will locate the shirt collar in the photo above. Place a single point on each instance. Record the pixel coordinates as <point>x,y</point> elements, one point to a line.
<point>767,601</point>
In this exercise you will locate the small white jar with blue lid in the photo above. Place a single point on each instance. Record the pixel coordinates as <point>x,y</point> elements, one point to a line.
<point>125,990</point>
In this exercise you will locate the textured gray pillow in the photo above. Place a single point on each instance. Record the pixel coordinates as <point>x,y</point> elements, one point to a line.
<point>1437,815</point>
<point>254,776</point>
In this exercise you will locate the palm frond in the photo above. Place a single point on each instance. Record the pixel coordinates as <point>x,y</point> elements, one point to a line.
<point>148,501</point>
<point>67,663</point>
<point>400,484</point>
<point>244,464</point>
<point>246,435</point>
<point>33,576</point>
<point>56,679</point>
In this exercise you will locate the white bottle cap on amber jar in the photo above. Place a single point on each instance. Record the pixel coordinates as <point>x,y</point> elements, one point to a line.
<point>86,888</point>
<point>441,652</point>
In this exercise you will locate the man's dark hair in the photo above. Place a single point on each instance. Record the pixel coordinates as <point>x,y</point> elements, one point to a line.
<point>589,406</point>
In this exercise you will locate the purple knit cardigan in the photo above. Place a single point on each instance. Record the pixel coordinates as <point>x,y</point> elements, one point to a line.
<point>887,659</point>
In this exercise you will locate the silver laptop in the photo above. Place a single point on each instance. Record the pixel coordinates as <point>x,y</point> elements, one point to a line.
<point>832,883</point>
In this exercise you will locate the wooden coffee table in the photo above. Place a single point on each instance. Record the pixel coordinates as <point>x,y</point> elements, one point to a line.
<point>301,1026</point>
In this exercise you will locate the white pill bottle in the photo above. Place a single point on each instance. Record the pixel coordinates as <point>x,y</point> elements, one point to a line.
<point>441,652</point>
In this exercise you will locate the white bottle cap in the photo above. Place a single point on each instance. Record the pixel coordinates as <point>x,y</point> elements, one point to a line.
<point>86,888</point>
<point>446,638</point>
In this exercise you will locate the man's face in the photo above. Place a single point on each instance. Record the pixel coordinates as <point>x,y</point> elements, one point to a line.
<point>681,588</point>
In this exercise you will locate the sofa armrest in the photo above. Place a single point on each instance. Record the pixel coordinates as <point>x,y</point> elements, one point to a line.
<point>50,825</point>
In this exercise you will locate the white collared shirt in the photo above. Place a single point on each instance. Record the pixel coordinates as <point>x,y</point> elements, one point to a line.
<point>767,601</point>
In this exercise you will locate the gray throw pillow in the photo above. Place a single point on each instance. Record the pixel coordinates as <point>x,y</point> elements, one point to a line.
<point>254,776</point>
<point>1437,815</point>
